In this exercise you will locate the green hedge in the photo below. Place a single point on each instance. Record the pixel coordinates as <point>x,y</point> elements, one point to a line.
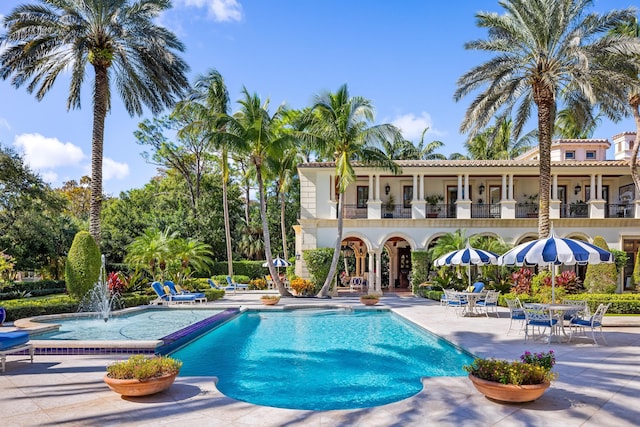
<point>620,303</point>
<point>15,290</point>
<point>251,269</point>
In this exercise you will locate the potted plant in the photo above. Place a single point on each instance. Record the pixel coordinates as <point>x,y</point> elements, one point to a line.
<point>531,205</point>
<point>433,200</point>
<point>302,287</point>
<point>369,299</point>
<point>270,299</point>
<point>141,375</point>
<point>523,380</point>
<point>389,206</point>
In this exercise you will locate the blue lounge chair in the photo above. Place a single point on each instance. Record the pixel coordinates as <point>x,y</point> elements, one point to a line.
<point>165,294</point>
<point>215,285</point>
<point>233,285</point>
<point>176,290</point>
<point>478,287</point>
<point>14,342</point>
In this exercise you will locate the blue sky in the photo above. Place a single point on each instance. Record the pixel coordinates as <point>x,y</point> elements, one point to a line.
<point>404,56</point>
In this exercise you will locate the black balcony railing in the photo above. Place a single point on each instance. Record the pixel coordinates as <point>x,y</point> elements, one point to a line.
<point>526,210</point>
<point>354,212</point>
<point>624,210</point>
<point>482,210</point>
<point>397,211</point>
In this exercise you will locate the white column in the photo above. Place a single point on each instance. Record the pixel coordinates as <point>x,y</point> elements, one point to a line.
<point>378,287</point>
<point>372,274</point>
<point>504,195</point>
<point>466,187</point>
<point>599,187</point>
<point>415,187</point>
<point>593,194</point>
<point>459,187</point>
<point>510,186</point>
<point>421,185</point>
<point>370,188</point>
<point>332,188</point>
<point>554,188</point>
<point>377,187</point>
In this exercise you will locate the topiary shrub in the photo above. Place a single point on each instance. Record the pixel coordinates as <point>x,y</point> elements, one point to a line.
<point>601,278</point>
<point>636,271</point>
<point>419,268</point>
<point>82,268</point>
<point>318,263</point>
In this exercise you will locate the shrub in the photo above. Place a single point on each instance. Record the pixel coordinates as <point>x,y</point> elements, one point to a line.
<point>318,263</point>
<point>258,284</point>
<point>303,287</point>
<point>213,294</point>
<point>601,278</point>
<point>142,368</point>
<point>419,268</point>
<point>83,265</point>
<point>522,281</point>
<point>636,271</point>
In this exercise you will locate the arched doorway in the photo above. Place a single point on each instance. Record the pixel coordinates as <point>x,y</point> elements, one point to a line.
<point>397,256</point>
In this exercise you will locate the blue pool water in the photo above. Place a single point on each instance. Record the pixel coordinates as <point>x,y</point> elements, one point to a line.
<point>320,359</point>
<point>151,324</point>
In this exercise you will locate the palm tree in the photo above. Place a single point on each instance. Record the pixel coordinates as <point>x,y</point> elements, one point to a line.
<point>209,99</point>
<point>631,28</point>
<point>120,41</point>
<point>190,252</point>
<point>253,131</point>
<point>545,51</point>
<point>340,124</point>
<point>498,143</point>
<point>151,251</point>
<point>576,123</point>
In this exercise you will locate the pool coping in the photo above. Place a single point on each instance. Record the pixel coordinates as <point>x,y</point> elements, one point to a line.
<point>33,326</point>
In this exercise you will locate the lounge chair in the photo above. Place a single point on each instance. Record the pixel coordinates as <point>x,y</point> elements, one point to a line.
<point>478,287</point>
<point>215,285</point>
<point>176,290</point>
<point>234,286</point>
<point>164,295</point>
<point>14,342</point>
<point>594,322</point>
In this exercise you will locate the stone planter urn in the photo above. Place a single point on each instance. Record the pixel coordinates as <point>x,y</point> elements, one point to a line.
<point>509,392</point>
<point>369,299</point>
<point>140,387</point>
<point>269,300</point>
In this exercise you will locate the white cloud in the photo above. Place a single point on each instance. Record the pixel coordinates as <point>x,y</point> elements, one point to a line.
<point>42,153</point>
<point>412,126</point>
<point>4,123</point>
<point>114,170</point>
<point>219,10</point>
<point>49,176</point>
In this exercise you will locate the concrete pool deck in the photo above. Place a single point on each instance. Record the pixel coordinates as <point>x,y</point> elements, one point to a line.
<point>598,385</point>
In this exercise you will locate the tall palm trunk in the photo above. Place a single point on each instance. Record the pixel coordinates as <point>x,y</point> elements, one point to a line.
<point>543,97</point>
<point>100,97</point>
<point>283,229</point>
<point>324,292</point>
<point>225,207</point>
<point>634,101</point>
<point>265,231</point>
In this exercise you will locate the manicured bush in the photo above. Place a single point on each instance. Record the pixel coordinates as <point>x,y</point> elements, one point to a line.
<point>419,268</point>
<point>601,278</point>
<point>636,271</point>
<point>213,294</point>
<point>83,265</point>
<point>251,269</point>
<point>318,263</point>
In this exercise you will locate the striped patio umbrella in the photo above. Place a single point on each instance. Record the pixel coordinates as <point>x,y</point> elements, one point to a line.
<point>553,251</point>
<point>468,256</point>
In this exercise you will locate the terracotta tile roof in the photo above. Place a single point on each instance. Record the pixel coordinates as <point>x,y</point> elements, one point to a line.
<point>483,163</point>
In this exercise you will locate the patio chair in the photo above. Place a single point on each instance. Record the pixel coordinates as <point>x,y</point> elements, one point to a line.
<point>177,290</point>
<point>516,312</point>
<point>538,318</point>
<point>489,303</point>
<point>582,309</point>
<point>164,295</point>
<point>12,343</point>
<point>478,287</point>
<point>594,322</point>
<point>234,286</point>
<point>356,283</point>
<point>458,301</point>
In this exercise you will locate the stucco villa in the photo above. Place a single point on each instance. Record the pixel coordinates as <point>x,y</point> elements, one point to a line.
<point>390,215</point>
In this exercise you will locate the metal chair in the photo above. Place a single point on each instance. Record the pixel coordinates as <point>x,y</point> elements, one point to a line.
<point>490,302</point>
<point>516,312</point>
<point>594,322</point>
<point>538,318</point>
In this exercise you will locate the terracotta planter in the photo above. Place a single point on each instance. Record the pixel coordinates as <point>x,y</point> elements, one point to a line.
<point>509,392</point>
<point>140,388</point>
<point>369,301</point>
<point>269,301</point>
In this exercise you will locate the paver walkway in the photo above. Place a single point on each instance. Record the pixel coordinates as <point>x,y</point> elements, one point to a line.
<point>598,385</point>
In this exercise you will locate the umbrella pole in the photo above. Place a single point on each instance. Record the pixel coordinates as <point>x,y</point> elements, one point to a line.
<point>553,284</point>
<point>469,284</point>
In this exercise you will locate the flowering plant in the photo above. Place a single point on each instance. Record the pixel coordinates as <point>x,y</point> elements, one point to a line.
<point>302,286</point>
<point>532,368</point>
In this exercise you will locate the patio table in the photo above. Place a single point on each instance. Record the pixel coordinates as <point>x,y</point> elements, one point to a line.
<point>472,297</point>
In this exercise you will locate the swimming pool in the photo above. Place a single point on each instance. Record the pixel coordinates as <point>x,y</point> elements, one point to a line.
<point>320,359</point>
<point>148,324</point>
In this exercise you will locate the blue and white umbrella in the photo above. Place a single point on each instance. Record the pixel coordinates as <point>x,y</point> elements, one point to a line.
<point>468,256</point>
<point>553,251</point>
<point>278,262</point>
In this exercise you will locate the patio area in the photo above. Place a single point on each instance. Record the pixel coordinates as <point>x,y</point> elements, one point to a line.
<point>597,385</point>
